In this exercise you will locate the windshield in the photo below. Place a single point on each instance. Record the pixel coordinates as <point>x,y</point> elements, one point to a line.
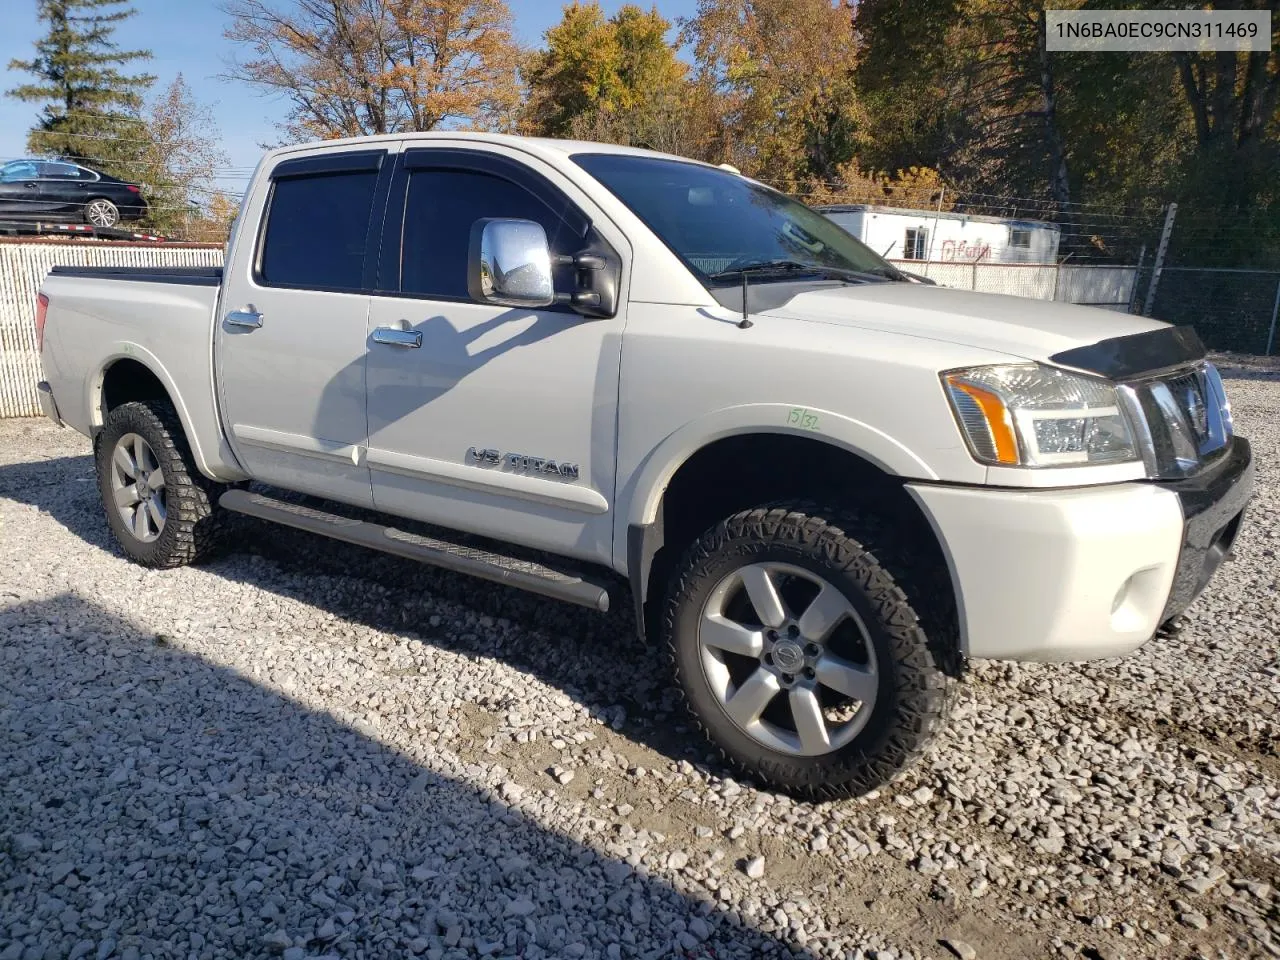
<point>718,222</point>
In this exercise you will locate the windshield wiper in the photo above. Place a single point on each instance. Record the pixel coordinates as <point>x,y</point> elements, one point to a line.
<point>792,267</point>
<point>890,272</point>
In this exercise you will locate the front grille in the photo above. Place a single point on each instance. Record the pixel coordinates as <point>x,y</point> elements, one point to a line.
<point>1186,417</point>
<point>1189,393</point>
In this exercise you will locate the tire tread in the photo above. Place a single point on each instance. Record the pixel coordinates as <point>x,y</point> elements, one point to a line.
<point>860,544</point>
<point>194,525</point>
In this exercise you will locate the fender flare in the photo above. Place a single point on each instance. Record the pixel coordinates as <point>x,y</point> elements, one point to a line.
<point>126,350</point>
<point>637,530</point>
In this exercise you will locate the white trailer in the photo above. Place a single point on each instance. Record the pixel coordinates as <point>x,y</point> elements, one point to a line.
<point>902,234</point>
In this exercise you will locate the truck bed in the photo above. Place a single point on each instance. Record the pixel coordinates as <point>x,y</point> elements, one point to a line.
<point>198,276</point>
<point>162,319</point>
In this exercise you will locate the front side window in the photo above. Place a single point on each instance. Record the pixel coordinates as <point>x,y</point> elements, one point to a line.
<point>717,221</point>
<point>18,170</point>
<point>316,230</point>
<point>916,245</point>
<point>441,207</point>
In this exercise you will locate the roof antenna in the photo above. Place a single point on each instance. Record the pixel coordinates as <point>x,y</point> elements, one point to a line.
<point>744,322</point>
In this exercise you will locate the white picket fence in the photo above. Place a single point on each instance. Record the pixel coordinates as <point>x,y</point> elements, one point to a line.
<point>23,267</point>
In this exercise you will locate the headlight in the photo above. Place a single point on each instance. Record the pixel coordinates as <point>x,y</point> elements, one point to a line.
<point>1025,415</point>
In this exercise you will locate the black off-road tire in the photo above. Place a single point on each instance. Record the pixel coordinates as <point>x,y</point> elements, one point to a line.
<point>195,525</point>
<point>894,595</point>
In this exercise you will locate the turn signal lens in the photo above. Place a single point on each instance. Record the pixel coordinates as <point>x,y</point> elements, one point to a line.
<point>986,421</point>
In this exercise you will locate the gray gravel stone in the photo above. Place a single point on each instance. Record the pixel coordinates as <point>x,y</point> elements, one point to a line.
<point>340,750</point>
<point>960,949</point>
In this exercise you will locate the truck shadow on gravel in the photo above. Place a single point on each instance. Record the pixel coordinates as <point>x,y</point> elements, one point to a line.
<point>595,659</point>
<point>154,803</point>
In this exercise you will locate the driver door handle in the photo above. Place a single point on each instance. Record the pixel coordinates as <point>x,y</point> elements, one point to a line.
<point>244,318</point>
<point>398,338</point>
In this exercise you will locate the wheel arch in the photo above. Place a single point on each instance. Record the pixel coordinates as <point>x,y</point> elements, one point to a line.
<point>132,373</point>
<point>746,467</point>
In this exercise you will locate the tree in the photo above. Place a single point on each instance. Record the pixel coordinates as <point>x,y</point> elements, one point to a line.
<point>358,67</point>
<point>179,162</point>
<point>81,82</point>
<point>781,74</point>
<point>616,80</point>
<point>213,225</point>
<point>970,88</point>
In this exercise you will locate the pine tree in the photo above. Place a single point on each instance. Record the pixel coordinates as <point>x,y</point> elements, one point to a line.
<point>91,104</point>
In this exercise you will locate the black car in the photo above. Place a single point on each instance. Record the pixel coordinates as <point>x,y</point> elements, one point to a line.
<point>61,190</point>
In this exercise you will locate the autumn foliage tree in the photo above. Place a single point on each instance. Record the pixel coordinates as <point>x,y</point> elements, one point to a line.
<point>180,158</point>
<point>615,79</point>
<point>359,67</point>
<point>781,73</point>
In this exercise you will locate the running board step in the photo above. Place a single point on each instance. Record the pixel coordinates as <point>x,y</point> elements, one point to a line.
<point>523,574</point>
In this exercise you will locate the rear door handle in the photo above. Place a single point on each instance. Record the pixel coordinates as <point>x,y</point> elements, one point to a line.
<point>398,338</point>
<point>244,318</point>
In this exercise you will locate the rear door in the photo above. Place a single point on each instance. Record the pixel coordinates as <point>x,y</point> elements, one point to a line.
<point>291,341</point>
<point>62,191</point>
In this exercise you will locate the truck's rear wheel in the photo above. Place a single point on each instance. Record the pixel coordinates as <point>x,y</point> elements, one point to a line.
<point>801,656</point>
<point>161,509</point>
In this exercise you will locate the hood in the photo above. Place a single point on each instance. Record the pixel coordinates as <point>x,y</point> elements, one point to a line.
<point>1020,326</point>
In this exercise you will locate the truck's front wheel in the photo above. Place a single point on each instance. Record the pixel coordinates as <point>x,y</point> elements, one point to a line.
<point>800,654</point>
<point>161,509</point>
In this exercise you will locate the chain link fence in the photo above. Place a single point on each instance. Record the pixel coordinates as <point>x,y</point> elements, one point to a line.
<point>1233,309</point>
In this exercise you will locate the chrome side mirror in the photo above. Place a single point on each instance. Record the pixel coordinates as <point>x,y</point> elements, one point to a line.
<point>509,264</point>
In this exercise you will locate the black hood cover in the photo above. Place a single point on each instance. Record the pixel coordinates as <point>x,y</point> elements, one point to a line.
<point>1123,358</point>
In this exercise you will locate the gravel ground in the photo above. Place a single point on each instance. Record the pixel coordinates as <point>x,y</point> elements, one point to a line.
<point>303,749</point>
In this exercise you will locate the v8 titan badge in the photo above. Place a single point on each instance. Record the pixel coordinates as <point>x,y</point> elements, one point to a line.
<point>488,457</point>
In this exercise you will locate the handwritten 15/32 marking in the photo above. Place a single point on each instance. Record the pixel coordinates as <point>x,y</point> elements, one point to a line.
<point>803,418</point>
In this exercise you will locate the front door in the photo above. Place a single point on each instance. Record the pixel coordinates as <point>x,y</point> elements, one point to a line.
<point>291,340</point>
<point>494,420</point>
<point>20,191</point>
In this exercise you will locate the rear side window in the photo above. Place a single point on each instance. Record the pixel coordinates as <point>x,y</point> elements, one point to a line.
<point>317,230</point>
<point>440,208</point>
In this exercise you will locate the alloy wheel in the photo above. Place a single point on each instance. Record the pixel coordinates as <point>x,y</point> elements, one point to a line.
<point>137,486</point>
<point>102,213</point>
<point>788,658</point>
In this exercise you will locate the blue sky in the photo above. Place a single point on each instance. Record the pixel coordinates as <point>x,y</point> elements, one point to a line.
<point>185,37</point>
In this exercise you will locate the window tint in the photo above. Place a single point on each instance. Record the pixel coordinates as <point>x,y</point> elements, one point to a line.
<point>316,230</point>
<point>60,171</point>
<point>440,208</point>
<point>19,170</point>
<point>1020,238</point>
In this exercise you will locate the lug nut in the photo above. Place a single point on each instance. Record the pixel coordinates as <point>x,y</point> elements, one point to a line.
<point>810,672</point>
<point>787,678</point>
<point>812,649</point>
<point>793,631</point>
<point>768,658</point>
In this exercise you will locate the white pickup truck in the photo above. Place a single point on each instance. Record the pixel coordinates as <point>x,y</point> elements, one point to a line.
<point>827,484</point>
